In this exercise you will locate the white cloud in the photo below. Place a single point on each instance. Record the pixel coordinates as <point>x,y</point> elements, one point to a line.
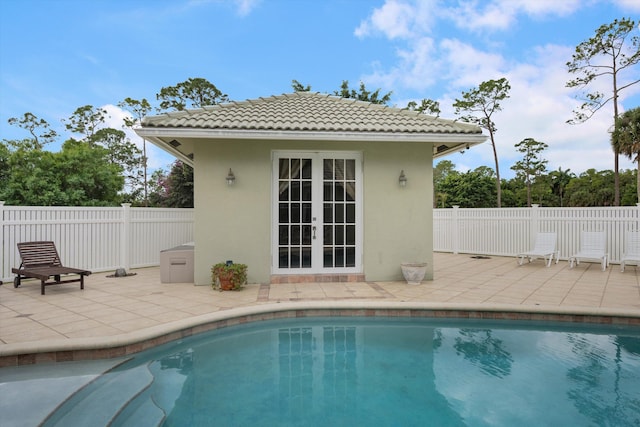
<point>418,67</point>
<point>499,15</point>
<point>245,7</point>
<point>399,19</point>
<point>492,16</point>
<point>628,5</point>
<point>469,66</point>
<point>393,20</point>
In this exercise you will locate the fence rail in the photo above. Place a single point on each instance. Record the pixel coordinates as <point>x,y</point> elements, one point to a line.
<point>508,231</point>
<point>98,239</point>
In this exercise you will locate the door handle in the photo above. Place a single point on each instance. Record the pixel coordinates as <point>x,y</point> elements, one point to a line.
<point>314,232</point>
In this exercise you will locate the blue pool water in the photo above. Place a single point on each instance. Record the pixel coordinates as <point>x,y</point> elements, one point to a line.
<point>375,372</point>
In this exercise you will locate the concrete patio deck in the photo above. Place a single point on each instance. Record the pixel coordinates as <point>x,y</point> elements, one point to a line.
<point>138,305</point>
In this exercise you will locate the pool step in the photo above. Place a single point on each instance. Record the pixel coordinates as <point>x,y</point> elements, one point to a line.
<point>98,405</point>
<point>140,411</point>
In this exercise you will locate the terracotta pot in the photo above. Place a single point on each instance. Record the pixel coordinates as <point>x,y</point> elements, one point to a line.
<point>226,283</point>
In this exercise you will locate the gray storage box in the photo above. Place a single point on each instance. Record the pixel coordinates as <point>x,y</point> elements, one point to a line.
<point>176,264</point>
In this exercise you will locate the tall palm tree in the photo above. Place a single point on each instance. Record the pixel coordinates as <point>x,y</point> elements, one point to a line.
<point>626,138</point>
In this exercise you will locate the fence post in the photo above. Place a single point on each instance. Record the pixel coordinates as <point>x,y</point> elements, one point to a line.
<point>456,244</point>
<point>534,224</point>
<point>125,237</point>
<point>3,273</point>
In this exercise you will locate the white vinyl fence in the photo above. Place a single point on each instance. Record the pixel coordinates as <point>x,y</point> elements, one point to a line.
<point>103,239</point>
<point>96,239</point>
<point>508,231</point>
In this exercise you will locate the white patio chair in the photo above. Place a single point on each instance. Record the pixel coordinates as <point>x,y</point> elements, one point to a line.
<point>631,249</point>
<point>593,246</point>
<point>544,247</point>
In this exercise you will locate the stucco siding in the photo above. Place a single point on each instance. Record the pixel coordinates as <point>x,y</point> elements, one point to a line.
<point>397,220</point>
<point>234,223</point>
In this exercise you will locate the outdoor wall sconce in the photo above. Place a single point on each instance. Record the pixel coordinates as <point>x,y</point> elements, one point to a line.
<point>402,180</point>
<point>231,178</point>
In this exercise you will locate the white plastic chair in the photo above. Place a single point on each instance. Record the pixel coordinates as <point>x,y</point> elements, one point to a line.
<point>593,246</point>
<point>631,249</point>
<point>544,247</point>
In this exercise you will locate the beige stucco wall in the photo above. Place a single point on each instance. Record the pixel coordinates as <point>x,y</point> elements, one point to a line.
<point>234,223</point>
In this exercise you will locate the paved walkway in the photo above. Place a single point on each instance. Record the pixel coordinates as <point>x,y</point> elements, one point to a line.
<point>112,307</point>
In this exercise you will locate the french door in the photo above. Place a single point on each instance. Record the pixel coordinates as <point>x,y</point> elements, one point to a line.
<point>317,212</point>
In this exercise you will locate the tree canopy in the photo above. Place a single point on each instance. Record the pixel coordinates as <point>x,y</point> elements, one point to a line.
<point>481,103</point>
<point>192,93</point>
<point>626,137</point>
<point>609,54</point>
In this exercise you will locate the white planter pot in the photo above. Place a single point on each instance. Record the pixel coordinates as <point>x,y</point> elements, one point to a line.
<point>413,272</point>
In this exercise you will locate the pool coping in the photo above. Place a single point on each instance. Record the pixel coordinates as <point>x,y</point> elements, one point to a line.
<point>107,347</point>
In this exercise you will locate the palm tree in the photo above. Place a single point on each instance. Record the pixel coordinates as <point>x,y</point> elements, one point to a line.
<point>626,138</point>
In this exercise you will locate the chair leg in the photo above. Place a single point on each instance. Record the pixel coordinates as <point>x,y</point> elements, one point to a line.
<point>42,287</point>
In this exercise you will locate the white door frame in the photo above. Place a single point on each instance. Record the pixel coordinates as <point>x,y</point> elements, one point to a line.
<point>315,223</point>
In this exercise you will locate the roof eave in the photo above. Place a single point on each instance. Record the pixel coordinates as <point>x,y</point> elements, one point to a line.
<point>161,136</point>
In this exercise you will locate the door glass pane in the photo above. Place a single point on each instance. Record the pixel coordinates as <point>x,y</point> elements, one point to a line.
<point>283,257</point>
<point>295,234</point>
<point>328,213</point>
<point>283,191</point>
<point>328,257</point>
<point>351,213</point>
<point>339,191</point>
<point>327,169</point>
<point>350,259</point>
<point>283,235</point>
<point>306,168</point>
<point>295,190</point>
<point>350,170</point>
<point>339,257</point>
<point>351,235</point>
<point>283,168</point>
<point>339,170</point>
<point>339,235</point>
<point>306,213</point>
<point>306,235</point>
<point>339,216</point>
<point>328,234</point>
<point>295,257</point>
<point>295,213</point>
<point>350,189</point>
<point>295,168</point>
<point>306,257</point>
<point>283,213</point>
<point>328,192</point>
<point>306,191</point>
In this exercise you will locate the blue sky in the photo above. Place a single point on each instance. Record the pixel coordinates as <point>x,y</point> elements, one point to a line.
<point>58,55</point>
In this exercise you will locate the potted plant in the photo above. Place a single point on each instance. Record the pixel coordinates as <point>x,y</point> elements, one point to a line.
<point>228,276</point>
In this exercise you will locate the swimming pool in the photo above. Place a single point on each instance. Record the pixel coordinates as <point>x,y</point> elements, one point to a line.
<point>374,372</point>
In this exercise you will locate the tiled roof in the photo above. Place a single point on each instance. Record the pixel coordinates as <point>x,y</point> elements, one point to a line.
<point>306,111</point>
